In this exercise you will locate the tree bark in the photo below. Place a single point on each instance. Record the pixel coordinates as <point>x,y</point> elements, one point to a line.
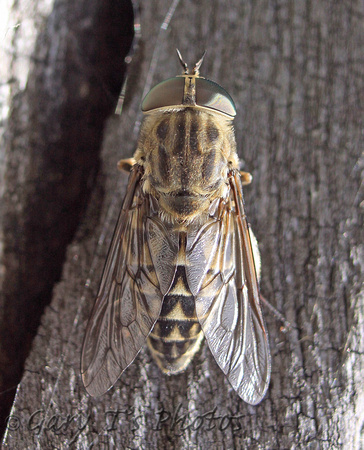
<point>64,69</point>
<point>295,71</point>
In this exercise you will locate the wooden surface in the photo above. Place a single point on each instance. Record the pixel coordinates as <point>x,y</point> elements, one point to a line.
<point>63,68</point>
<point>295,71</point>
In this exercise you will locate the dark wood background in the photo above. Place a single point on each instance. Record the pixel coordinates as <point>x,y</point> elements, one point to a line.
<point>295,71</point>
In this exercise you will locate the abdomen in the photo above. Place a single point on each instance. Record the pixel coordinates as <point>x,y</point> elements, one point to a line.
<point>177,335</point>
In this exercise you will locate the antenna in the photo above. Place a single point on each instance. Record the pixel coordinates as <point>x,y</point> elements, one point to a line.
<point>196,69</point>
<point>184,65</point>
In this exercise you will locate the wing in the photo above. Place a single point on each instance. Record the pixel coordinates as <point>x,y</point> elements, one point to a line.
<point>227,298</point>
<point>129,298</point>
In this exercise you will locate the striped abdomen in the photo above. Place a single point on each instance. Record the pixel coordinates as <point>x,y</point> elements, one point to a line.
<point>177,334</point>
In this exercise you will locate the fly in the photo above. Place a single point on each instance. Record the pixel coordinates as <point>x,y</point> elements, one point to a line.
<point>183,263</point>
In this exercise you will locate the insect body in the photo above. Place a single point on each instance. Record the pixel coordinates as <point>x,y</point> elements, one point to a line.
<point>183,264</point>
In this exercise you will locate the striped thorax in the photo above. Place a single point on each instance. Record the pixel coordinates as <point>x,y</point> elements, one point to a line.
<point>186,155</point>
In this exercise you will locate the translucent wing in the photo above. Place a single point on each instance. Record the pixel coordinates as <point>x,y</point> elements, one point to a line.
<point>227,298</point>
<point>129,298</point>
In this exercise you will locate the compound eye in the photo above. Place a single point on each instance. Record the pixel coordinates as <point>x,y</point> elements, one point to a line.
<point>206,95</point>
<point>165,94</point>
<point>211,95</point>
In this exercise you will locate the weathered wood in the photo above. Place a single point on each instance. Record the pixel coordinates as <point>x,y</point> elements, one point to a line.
<point>64,71</point>
<point>295,71</point>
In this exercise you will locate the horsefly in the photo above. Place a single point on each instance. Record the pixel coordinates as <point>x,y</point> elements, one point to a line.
<point>183,263</point>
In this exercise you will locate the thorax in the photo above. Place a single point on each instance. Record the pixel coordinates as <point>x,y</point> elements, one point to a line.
<point>186,155</point>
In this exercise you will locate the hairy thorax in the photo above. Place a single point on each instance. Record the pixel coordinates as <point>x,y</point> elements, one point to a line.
<point>186,155</point>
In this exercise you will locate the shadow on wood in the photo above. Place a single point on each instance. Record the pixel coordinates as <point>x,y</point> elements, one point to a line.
<point>52,145</point>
